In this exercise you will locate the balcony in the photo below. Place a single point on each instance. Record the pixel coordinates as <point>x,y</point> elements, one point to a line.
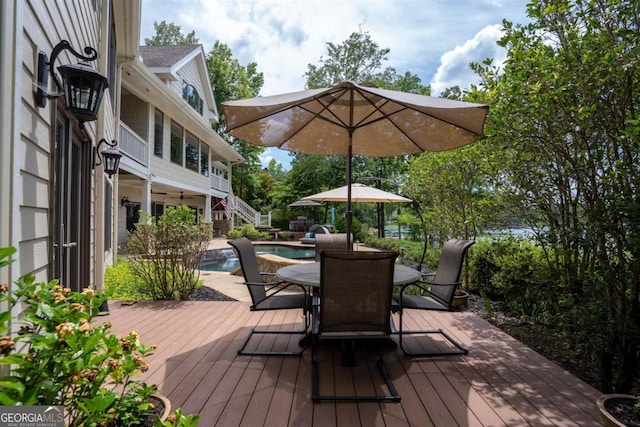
<point>133,145</point>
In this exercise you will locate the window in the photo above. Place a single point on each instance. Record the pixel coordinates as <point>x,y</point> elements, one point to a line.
<point>158,133</point>
<point>111,66</point>
<point>108,200</point>
<point>192,152</point>
<point>190,94</point>
<point>176,143</point>
<point>204,159</point>
<point>157,210</point>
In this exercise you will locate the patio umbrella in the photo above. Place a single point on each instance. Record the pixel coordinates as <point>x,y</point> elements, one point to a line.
<point>304,203</point>
<point>359,193</point>
<point>349,118</point>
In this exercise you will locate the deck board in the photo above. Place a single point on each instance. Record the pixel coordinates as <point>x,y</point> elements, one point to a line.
<point>501,382</point>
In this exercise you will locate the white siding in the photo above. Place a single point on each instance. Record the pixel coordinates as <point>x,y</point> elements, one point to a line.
<point>44,24</point>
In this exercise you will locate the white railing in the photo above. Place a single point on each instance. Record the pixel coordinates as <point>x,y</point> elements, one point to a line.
<point>219,183</point>
<point>133,145</point>
<point>248,214</point>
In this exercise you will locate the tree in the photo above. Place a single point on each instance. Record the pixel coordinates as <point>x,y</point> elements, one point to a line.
<point>566,135</point>
<point>170,34</point>
<point>230,81</point>
<point>357,59</point>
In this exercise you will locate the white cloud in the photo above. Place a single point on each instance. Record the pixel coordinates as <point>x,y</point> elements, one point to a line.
<point>283,36</point>
<point>454,66</point>
<point>435,40</point>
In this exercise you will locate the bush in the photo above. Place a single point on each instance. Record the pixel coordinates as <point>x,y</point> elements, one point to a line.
<point>121,284</point>
<point>66,358</point>
<point>516,271</point>
<point>250,232</point>
<point>166,253</point>
<point>356,228</point>
<point>408,249</point>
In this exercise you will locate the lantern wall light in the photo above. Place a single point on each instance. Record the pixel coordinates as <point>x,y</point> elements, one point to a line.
<point>109,158</point>
<point>82,86</point>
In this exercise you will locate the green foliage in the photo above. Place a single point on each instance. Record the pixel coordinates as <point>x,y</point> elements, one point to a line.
<point>285,235</point>
<point>170,34</point>
<point>250,232</point>
<point>408,250</point>
<point>65,357</point>
<point>517,272</point>
<point>121,284</point>
<point>230,81</point>
<point>453,192</point>
<point>165,253</point>
<point>565,142</point>
<point>356,228</point>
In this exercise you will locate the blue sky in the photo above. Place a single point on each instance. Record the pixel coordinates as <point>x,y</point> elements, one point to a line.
<point>435,39</point>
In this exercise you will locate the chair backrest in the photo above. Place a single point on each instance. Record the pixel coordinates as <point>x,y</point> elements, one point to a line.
<point>450,268</point>
<point>355,291</point>
<point>328,242</point>
<point>249,265</point>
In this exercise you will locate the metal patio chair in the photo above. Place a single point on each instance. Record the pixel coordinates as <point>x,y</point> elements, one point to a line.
<point>268,296</point>
<point>439,290</point>
<point>355,302</point>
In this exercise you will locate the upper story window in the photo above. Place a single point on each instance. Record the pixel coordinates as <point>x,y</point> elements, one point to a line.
<point>190,94</point>
<point>158,133</point>
<point>176,143</point>
<point>192,151</point>
<point>204,159</point>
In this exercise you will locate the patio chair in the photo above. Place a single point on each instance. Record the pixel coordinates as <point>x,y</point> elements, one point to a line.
<point>355,299</point>
<point>439,289</point>
<point>332,241</point>
<point>268,296</point>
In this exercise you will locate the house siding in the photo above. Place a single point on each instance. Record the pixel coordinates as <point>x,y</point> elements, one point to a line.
<point>42,24</point>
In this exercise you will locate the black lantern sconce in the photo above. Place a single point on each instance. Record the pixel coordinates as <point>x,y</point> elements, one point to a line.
<point>82,86</point>
<point>109,158</point>
<point>124,202</point>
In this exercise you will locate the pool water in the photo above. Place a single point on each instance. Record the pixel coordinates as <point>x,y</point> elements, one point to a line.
<point>226,260</point>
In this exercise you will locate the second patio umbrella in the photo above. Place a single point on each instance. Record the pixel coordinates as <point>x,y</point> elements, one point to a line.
<point>359,193</point>
<point>349,118</point>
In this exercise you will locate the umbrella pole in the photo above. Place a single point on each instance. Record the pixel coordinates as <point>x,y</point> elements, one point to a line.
<point>348,215</point>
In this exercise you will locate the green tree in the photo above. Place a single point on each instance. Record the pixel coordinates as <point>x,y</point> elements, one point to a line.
<point>170,34</point>
<point>230,81</point>
<point>566,136</point>
<point>358,59</point>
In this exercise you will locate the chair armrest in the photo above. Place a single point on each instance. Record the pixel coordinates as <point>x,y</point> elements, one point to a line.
<point>423,286</point>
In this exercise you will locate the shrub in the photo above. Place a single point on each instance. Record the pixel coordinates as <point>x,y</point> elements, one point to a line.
<point>356,228</point>
<point>165,253</point>
<point>121,284</point>
<point>285,235</point>
<point>66,358</point>
<point>516,271</point>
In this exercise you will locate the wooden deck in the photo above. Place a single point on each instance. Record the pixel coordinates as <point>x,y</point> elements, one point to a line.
<point>500,381</point>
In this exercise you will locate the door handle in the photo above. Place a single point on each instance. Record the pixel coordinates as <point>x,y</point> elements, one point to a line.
<point>70,245</point>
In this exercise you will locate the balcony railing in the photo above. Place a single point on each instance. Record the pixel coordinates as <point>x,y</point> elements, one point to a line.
<point>133,145</point>
<point>219,183</point>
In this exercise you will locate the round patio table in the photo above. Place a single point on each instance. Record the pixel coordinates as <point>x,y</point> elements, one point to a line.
<point>308,274</point>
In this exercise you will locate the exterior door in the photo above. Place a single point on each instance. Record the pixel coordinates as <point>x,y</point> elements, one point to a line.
<point>71,237</point>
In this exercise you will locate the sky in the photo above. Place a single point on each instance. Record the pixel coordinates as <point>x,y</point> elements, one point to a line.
<point>434,39</point>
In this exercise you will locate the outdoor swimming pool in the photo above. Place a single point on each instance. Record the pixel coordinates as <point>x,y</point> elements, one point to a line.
<point>226,260</point>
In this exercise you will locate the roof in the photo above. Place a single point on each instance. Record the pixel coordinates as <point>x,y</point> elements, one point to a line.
<point>165,55</point>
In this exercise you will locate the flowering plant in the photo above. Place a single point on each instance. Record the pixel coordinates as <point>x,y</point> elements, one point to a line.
<point>61,356</point>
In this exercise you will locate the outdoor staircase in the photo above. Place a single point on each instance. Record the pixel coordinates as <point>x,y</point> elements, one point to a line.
<point>249,215</point>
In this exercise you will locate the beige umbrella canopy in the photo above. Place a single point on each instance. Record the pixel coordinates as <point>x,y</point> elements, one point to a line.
<point>359,193</point>
<point>302,202</point>
<point>348,119</point>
